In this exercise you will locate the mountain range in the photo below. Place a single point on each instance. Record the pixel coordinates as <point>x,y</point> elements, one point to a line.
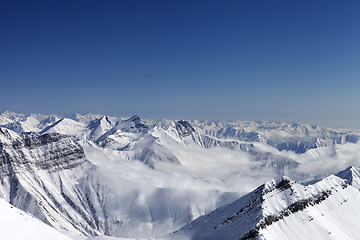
<point>93,175</point>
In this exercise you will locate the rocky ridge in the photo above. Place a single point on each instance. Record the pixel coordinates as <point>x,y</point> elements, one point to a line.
<point>259,214</point>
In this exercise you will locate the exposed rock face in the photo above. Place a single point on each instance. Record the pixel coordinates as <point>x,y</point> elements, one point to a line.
<point>184,128</point>
<point>31,151</point>
<point>133,124</point>
<point>209,142</point>
<point>47,122</point>
<point>39,174</point>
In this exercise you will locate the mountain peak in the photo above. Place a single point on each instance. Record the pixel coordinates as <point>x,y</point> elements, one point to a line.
<point>184,128</point>
<point>281,183</point>
<point>11,115</point>
<point>134,118</point>
<point>351,174</point>
<point>65,126</point>
<point>277,203</point>
<point>132,124</point>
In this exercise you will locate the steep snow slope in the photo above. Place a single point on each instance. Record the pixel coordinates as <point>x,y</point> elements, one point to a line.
<point>134,141</point>
<point>4,120</point>
<point>66,126</point>
<point>283,209</point>
<point>41,174</point>
<point>81,118</point>
<point>100,126</point>
<point>46,121</point>
<point>352,174</point>
<point>20,127</point>
<point>18,225</point>
<point>123,133</point>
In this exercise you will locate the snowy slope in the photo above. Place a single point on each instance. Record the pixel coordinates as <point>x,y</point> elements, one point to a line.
<point>46,121</point>
<point>18,225</point>
<point>81,118</point>
<point>65,126</point>
<point>352,174</point>
<point>100,126</point>
<point>283,209</point>
<point>40,174</point>
<point>20,126</point>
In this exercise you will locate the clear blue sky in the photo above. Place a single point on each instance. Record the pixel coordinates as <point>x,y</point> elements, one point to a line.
<point>296,61</point>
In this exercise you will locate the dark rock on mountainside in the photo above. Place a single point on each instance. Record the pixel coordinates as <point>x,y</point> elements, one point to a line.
<point>50,151</point>
<point>254,215</point>
<point>184,128</point>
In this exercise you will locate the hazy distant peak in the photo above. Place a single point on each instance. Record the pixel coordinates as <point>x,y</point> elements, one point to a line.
<point>134,118</point>
<point>351,174</point>
<point>11,115</point>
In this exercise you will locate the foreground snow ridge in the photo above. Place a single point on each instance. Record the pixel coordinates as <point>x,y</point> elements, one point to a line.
<point>18,225</point>
<point>284,209</point>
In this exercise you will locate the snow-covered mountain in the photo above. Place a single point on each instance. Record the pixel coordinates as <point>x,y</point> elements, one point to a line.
<point>284,209</point>
<point>49,176</point>
<point>127,177</point>
<point>65,126</point>
<point>18,225</point>
<point>33,171</point>
<point>100,126</point>
<point>284,136</point>
<point>295,137</point>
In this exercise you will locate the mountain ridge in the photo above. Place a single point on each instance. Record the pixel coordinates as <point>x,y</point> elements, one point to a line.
<point>270,204</point>
<point>128,177</point>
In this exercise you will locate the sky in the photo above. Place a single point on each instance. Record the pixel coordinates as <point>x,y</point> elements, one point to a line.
<point>295,61</point>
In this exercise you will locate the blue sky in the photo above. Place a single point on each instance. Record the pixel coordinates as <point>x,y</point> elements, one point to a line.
<point>296,61</point>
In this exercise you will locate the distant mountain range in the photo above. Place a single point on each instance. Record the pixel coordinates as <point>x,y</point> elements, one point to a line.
<point>96,175</point>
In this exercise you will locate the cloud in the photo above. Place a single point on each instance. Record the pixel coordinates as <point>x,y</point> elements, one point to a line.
<point>175,194</point>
